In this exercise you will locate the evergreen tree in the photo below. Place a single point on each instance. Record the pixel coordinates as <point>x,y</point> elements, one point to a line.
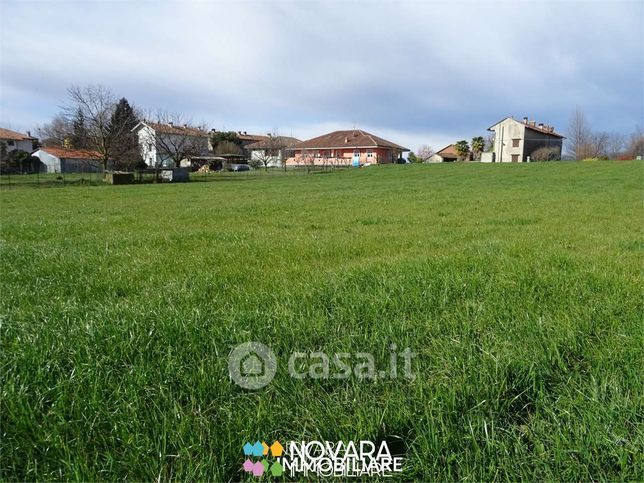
<point>79,131</point>
<point>124,142</point>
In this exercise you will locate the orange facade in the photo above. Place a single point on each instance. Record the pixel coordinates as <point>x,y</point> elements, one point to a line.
<point>342,157</point>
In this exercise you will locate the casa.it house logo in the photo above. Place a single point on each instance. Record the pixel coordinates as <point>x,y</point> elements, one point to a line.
<point>261,466</point>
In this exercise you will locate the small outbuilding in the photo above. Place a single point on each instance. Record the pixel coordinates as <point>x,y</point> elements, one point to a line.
<point>446,155</point>
<point>61,160</point>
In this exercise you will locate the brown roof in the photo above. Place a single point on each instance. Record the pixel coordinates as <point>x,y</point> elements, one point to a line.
<point>71,153</point>
<point>281,141</point>
<point>14,136</point>
<point>354,138</point>
<point>530,126</point>
<point>179,130</point>
<point>251,137</point>
<point>448,151</point>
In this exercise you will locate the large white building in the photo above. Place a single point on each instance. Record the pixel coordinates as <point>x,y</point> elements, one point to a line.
<point>516,141</point>
<point>161,144</point>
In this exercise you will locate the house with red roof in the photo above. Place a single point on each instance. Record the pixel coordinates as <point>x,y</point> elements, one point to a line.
<point>13,140</point>
<point>353,147</point>
<point>446,155</point>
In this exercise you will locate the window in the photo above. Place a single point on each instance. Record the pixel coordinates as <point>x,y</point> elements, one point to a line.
<point>356,153</point>
<point>515,143</point>
<point>369,153</point>
<point>515,158</point>
<point>10,142</point>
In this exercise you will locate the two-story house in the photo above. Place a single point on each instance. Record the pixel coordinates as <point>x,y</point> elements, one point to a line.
<point>167,145</point>
<point>12,140</point>
<point>516,141</point>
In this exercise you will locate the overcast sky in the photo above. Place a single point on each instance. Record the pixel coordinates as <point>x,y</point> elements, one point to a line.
<point>413,72</point>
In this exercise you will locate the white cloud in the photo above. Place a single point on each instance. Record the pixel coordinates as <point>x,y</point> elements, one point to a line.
<point>419,72</point>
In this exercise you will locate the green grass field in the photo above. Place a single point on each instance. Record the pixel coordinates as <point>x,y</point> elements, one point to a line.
<point>518,286</point>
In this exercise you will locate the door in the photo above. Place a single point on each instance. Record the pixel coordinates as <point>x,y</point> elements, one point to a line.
<point>356,157</point>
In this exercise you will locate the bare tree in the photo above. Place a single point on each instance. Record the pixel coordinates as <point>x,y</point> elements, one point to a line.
<point>615,145</point>
<point>177,140</point>
<point>57,132</point>
<point>424,152</point>
<point>273,150</point>
<point>97,104</point>
<point>270,151</point>
<point>636,144</point>
<point>579,135</point>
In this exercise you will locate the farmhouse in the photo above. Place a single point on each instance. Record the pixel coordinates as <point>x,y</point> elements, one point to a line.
<point>12,140</point>
<point>272,151</point>
<point>516,141</point>
<point>61,160</point>
<point>160,143</point>
<point>447,154</point>
<point>346,148</point>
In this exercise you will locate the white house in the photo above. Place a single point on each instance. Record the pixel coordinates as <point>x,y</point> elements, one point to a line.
<point>272,151</point>
<point>160,144</point>
<point>516,141</point>
<point>12,140</point>
<point>60,160</point>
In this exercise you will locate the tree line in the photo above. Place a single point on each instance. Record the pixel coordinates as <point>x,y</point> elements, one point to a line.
<point>95,119</point>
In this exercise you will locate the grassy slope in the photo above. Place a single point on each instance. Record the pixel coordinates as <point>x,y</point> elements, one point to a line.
<point>519,286</point>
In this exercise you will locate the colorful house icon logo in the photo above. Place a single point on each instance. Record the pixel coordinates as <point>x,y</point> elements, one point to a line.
<point>262,450</point>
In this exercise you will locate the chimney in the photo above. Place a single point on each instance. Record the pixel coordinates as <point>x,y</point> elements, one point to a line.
<point>239,132</point>
<point>346,139</point>
<point>29,133</point>
<point>185,125</point>
<point>525,120</point>
<point>533,123</point>
<point>171,124</point>
<point>245,133</point>
<point>540,125</point>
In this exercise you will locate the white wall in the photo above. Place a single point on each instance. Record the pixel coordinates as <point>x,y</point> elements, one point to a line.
<point>504,133</point>
<point>258,155</point>
<point>147,145</point>
<point>51,162</point>
<point>27,145</point>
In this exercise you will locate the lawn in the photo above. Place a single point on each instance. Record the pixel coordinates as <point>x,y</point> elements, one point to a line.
<point>519,288</point>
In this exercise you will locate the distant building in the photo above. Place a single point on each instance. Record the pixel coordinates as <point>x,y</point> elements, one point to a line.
<point>445,155</point>
<point>12,140</point>
<point>61,160</point>
<point>160,142</point>
<point>346,148</point>
<point>272,151</point>
<point>516,141</point>
<point>248,139</point>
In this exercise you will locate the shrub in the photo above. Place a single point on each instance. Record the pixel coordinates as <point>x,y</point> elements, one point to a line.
<point>545,154</point>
